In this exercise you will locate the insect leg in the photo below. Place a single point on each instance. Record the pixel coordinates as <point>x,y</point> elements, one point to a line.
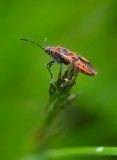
<point>48,65</point>
<point>60,70</point>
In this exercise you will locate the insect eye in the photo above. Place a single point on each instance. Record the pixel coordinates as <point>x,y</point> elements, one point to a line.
<point>47,51</point>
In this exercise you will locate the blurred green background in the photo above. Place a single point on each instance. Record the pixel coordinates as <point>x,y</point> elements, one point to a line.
<point>88,27</point>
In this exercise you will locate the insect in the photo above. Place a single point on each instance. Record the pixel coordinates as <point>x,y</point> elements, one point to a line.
<point>61,55</point>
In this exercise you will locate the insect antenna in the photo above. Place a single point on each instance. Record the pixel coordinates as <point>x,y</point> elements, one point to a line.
<point>45,41</point>
<point>32,42</point>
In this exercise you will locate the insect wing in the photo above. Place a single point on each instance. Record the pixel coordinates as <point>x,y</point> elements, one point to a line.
<point>87,64</point>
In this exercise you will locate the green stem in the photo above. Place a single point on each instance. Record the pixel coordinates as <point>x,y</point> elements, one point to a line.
<point>73,152</point>
<point>78,151</point>
<point>59,98</point>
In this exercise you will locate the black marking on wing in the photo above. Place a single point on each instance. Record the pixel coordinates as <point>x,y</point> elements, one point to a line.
<point>58,49</point>
<point>74,59</point>
<point>64,51</point>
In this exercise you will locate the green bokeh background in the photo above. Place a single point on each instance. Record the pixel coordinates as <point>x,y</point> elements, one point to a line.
<point>88,27</point>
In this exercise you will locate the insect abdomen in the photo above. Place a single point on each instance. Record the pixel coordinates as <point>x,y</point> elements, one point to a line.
<point>86,69</point>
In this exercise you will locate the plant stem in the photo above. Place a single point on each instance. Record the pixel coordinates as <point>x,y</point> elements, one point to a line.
<point>81,151</point>
<point>73,152</point>
<point>59,98</point>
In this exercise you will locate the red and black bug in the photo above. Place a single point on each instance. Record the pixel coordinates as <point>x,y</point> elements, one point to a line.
<point>61,55</point>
